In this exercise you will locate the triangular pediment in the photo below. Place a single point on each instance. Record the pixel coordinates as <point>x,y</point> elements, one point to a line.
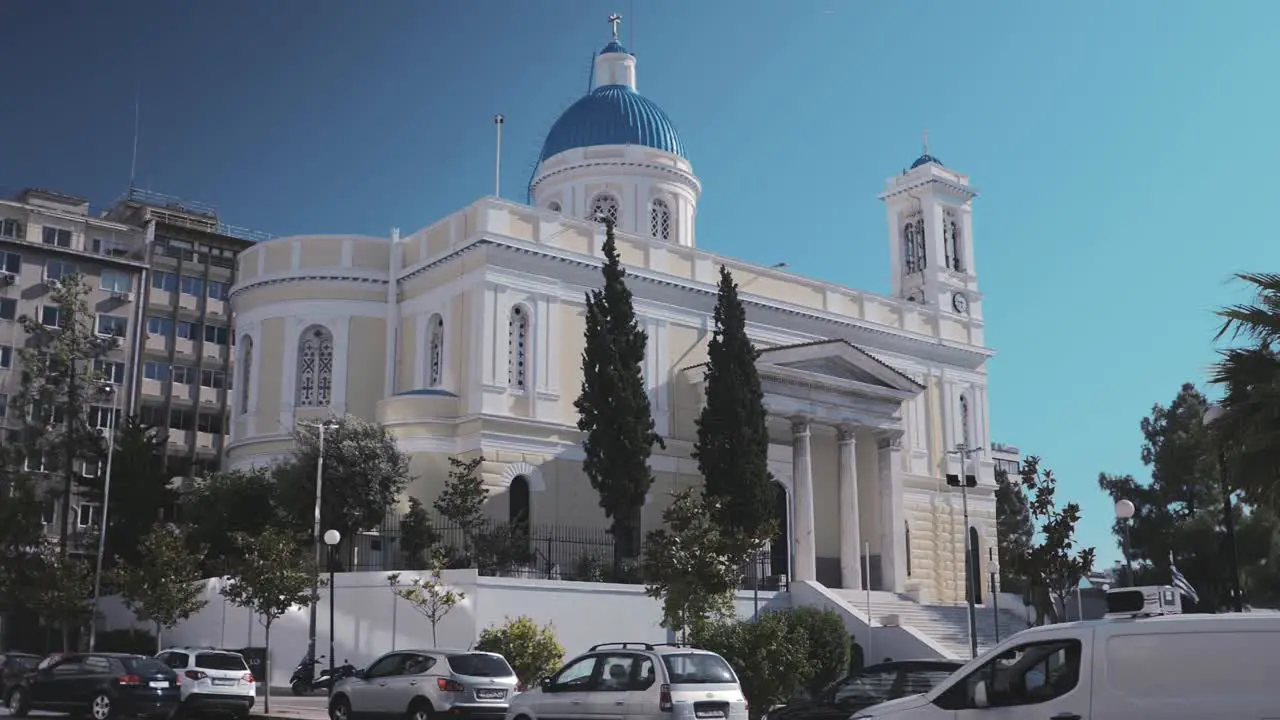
<point>839,361</point>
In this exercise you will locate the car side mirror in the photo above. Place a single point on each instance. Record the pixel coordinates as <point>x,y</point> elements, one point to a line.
<point>545,684</point>
<point>360,673</point>
<point>980,694</point>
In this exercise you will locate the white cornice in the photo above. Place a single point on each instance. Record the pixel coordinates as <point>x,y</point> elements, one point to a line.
<point>336,274</point>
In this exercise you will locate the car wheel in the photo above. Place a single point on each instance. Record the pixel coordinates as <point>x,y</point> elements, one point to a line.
<point>340,708</point>
<point>100,708</point>
<point>420,709</point>
<point>18,705</point>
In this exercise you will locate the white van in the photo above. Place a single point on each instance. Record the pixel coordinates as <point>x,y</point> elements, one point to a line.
<point>1145,663</point>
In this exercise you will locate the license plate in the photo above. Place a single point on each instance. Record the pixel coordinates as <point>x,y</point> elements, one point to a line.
<point>709,714</point>
<point>490,694</point>
<point>159,683</point>
<point>223,681</point>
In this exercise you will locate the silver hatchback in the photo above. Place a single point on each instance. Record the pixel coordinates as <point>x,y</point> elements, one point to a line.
<point>420,683</point>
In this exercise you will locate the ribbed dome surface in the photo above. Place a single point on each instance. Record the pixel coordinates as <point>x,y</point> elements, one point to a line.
<point>925,159</point>
<point>613,115</point>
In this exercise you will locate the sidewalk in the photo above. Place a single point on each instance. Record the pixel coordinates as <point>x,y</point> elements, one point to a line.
<point>284,704</point>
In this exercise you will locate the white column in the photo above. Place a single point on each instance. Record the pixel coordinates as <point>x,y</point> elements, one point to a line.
<point>850,531</point>
<point>806,564</point>
<point>893,541</point>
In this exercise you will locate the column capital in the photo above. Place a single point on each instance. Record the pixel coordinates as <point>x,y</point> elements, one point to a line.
<point>800,425</point>
<point>889,440</point>
<point>846,433</point>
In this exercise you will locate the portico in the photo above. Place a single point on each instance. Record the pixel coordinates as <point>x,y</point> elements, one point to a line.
<point>841,408</point>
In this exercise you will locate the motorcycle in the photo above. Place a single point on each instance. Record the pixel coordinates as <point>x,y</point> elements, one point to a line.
<point>305,680</point>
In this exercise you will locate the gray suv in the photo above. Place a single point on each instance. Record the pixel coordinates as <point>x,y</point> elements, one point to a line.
<point>421,683</point>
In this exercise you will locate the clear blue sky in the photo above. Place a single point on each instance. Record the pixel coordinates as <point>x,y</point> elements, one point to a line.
<point>1125,151</point>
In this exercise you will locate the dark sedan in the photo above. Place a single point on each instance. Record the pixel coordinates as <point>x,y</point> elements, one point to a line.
<point>100,686</point>
<point>867,687</point>
<point>14,665</point>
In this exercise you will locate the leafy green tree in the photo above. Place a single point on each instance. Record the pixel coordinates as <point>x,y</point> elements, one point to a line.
<point>428,594</point>
<point>1179,511</point>
<point>769,657</point>
<point>417,535</point>
<point>1053,564</point>
<point>223,506</point>
<point>1248,431</point>
<point>823,632</point>
<point>21,534</point>
<point>462,501</point>
<point>1015,530</point>
<point>162,584</point>
<point>61,396</point>
<point>364,474</point>
<point>61,589</point>
<point>691,564</point>
<point>613,407</point>
<point>530,648</point>
<point>273,576</point>
<point>732,448</point>
<point>140,488</point>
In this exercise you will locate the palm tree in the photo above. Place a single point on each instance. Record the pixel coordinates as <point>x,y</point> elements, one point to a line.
<point>1249,428</point>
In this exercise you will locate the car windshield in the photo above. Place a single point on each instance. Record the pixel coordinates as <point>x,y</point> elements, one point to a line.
<point>220,661</point>
<point>21,662</point>
<point>698,669</point>
<point>480,665</point>
<point>146,666</point>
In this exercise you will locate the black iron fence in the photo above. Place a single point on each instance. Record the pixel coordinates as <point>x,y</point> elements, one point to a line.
<point>545,551</point>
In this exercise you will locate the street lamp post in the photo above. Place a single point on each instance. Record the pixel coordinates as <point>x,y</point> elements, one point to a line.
<point>971,567</point>
<point>1124,513</point>
<point>331,538</point>
<point>321,428</point>
<point>107,389</point>
<point>1211,415</point>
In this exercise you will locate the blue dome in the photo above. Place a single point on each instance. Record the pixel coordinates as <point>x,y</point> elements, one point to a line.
<point>614,47</point>
<point>925,159</point>
<point>613,115</point>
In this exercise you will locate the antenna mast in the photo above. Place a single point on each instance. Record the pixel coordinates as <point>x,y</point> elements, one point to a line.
<point>137,113</point>
<point>497,163</point>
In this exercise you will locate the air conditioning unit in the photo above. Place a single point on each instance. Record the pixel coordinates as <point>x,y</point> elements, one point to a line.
<point>122,296</point>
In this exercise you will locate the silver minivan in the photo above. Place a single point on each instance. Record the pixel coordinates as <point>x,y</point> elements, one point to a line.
<point>639,681</point>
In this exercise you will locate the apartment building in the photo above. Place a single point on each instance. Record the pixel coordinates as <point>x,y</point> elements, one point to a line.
<point>183,373</point>
<point>44,236</point>
<point>1007,458</point>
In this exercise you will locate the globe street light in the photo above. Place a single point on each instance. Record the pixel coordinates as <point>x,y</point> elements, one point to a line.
<point>331,538</point>
<point>108,390</point>
<point>1211,415</point>
<point>1124,513</point>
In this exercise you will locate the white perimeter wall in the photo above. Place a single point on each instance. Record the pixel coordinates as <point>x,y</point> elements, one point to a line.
<point>370,621</point>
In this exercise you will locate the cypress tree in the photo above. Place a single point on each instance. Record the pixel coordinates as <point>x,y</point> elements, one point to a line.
<point>732,449</point>
<point>613,407</point>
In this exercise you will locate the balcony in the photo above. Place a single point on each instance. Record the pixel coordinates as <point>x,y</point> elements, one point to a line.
<point>153,388</point>
<point>156,344</point>
<point>181,438</point>
<point>206,441</point>
<point>216,308</point>
<point>184,347</point>
<point>214,351</point>
<point>188,302</point>
<point>182,391</point>
<point>161,298</point>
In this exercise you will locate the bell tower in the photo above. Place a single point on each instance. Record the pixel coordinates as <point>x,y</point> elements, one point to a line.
<point>930,237</point>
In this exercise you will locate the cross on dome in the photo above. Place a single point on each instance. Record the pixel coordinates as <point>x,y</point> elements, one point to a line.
<point>614,20</point>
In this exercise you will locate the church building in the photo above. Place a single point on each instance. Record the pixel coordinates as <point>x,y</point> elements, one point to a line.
<point>464,338</point>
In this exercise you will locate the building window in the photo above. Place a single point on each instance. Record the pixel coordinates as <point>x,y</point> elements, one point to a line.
<point>88,515</point>
<point>90,468</point>
<point>6,356</point>
<point>518,510</point>
<point>10,228</point>
<point>57,237</point>
<point>553,206</point>
<point>100,417</point>
<point>184,375</point>
<point>951,239</point>
<point>907,545</point>
<point>116,281</point>
<point>517,347</point>
<point>165,281</point>
<point>113,325</point>
<point>161,326</point>
<point>4,405</point>
<point>35,462</point>
<point>57,269</point>
<point>156,370</point>
<point>11,262</point>
<point>315,367</point>
<point>604,207</point>
<point>216,334</point>
<point>217,290</point>
<point>914,252</point>
<point>186,330</point>
<point>435,351</point>
<point>8,308</point>
<point>109,370</point>
<point>213,379</point>
<point>191,285</point>
<point>964,420</point>
<point>246,364</point>
<point>51,316</point>
<point>660,220</point>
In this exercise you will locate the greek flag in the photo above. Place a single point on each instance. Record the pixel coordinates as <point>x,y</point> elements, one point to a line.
<point>1180,582</point>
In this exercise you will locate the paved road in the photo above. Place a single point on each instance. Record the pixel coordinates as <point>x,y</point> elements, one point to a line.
<point>303,708</point>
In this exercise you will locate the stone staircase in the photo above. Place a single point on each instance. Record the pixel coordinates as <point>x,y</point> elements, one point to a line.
<point>946,624</point>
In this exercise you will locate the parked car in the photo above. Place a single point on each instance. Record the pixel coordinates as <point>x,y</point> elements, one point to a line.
<point>213,681</point>
<point>637,681</point>
<point>427,683</point>
<point>100,686</point>
<point>869,686</point>
<point>14,665</point>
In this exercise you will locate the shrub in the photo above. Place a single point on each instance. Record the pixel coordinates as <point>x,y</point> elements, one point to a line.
<point>532,650</point>
<point>828,644</point>
<point>771,659</point>
<point>128,640</point>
